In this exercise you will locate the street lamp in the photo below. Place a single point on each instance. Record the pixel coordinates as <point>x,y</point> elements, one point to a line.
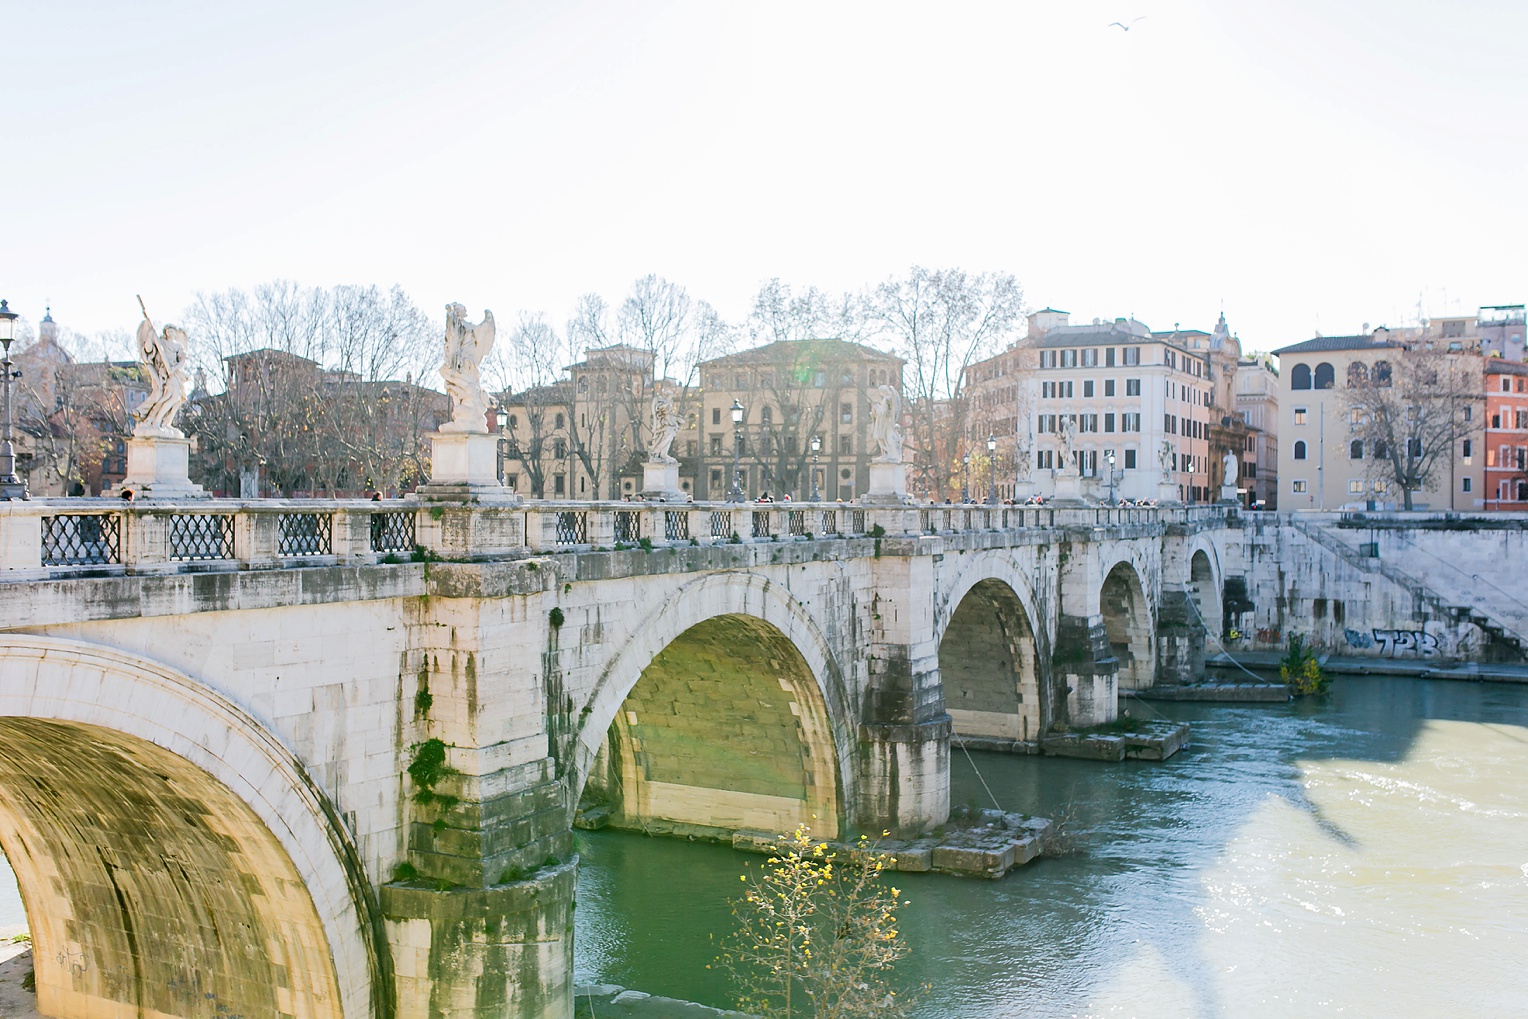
<point>816,449</point>
<point>501,418</point>
<point>738,413</point>
<point>965,485</point>
<point>11,487</point>
<point>1109,456</point>
<point>991,469</point>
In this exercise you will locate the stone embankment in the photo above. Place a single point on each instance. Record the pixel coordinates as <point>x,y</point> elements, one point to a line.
<point>1146,741</point>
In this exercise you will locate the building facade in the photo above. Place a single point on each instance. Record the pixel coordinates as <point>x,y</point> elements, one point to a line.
<point>1144,396</point>
<point>1257,404</point>
<point>1506,436</point>
<point>789,392</point>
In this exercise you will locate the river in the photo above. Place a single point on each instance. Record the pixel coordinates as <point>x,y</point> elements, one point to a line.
<point>1363,854</point>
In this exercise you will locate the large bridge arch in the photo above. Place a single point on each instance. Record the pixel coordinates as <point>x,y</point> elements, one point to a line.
<point>994,660</point>
<point>1205,586</point>
<point>724,710</point>
<point>172,855</point>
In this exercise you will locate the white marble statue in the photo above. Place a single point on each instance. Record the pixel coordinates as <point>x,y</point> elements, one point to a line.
<point>466,346</point>
<point>1023,463</point>
<point>1231,465</point>
<point>163,356</point>
<point>1165,460</point>
<point>886,425</point>
<point>1068,436</point>
<point>665,427</point>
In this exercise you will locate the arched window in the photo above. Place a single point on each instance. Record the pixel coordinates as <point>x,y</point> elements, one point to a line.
<point>1358,375</point>
<point>1299,377</point>
<point>1356,449</point>
<point>1326,376</point>
<point>1382,373</point>
<point>1300,450</point>
<point>560,421</point>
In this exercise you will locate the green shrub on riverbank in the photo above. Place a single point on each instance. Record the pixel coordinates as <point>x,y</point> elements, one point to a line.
<point>1301,670</point>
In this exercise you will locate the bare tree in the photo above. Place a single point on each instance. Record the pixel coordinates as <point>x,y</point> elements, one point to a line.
<point>1409,412</point>
<point>943,321</point>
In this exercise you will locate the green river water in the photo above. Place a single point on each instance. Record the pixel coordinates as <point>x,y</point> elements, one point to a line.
<point>1363,854</point>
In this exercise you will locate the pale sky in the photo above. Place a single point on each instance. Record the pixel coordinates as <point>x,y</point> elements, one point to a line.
<point>1308,165</point>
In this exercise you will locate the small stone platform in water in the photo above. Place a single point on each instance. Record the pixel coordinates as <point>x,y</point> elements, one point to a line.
<point>1228,693</point>
<point>1146,741</point>
<point>609,1001</point>
<point>986,843</point>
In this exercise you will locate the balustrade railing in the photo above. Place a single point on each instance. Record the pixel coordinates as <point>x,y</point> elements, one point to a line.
<point>61,536</point>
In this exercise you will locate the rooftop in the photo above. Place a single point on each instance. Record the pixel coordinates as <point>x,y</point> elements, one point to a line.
<point>1325,343</point>
<point>792,351</point>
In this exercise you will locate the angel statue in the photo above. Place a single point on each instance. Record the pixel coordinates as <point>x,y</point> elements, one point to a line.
<point>466,346</point>
<point>1165,459</point>
<point>163,356</point>
<point>665,427</point>
<point>886,425</point>
<point>1231,464</point>
<point>1068,437</point>
<point>1023,463</point>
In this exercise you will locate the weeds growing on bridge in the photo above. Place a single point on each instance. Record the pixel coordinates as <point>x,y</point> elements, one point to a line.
<point>817,935</point>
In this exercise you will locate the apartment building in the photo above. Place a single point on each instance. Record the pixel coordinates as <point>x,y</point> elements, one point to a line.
<point>1506,436</point>
<point>1324,460</point>
<point>1257,404</point>
<point>788,393</point>
<point>1144,396</point>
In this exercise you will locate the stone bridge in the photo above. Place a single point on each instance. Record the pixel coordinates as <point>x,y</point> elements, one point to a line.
<point>320,759</point>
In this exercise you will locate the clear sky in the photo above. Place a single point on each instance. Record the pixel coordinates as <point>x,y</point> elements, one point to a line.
<point>1308,165</point>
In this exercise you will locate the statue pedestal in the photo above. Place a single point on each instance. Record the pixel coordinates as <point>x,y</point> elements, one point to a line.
<point>1230,493</point>
<point>660,482</point>
<point>888,485</point>
<point>1167,491</point>
<point>465,466</point>
<point>158,467</point>
<point>1068,486</point>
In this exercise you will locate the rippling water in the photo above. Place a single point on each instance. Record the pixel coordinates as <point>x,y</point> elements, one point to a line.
<point>1366,855</point>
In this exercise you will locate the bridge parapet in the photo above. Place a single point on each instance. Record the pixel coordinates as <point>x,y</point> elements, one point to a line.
<point>58,538</point>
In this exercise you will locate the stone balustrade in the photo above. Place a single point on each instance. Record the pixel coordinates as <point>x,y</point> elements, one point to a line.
<point>61,537</point>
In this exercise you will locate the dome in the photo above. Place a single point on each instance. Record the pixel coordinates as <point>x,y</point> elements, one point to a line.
<point>47,329</point>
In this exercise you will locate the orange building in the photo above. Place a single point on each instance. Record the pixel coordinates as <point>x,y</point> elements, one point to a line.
<point>1506,435</point>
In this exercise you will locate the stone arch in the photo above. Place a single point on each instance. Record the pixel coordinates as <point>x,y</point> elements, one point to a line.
<point>994,660</point>
<point>173,856</point>
<point>725,710</point>
<point>1204,590</point>
<point>1128,622</point>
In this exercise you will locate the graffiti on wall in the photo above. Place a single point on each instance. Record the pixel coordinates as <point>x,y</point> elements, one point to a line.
<point>1396,643</point>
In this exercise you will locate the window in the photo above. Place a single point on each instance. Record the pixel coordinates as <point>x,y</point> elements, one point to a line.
<point>1046,423</point>
<point>1299,415</point>
<point>846,379</point>
<point>1355,487</point>
<point>1300,450</point>
<point>846,413</point>
<point>1047,359</point>
<point>1382,374</point>
<point>1414,449</point>
<point>1521,418</point>
<point>1109,357</point>
<point>560,484</point>
<point>1108,422</point>
<point>1045,459</point>
<point>1466,484</point>
<point>1299,376</point>
<point>1130,422</point>
<point>1087,422</point>
<point>1380,488</point>
<point>1087,388</point>
<point>1132,386</point>
<point>1298,487</point>
<point>1355,416</point>
<point>1506,384</point>
<point>1130,355</point>
<point>820,379</point>
<point>1129,459</point>
<point>1522,491</point>
<point>846,445</point>
<point>1495,420</point>
<point>1069,359</point>
<point>1325,376</point>
<point>716,445</point>
<point>512,480</point>
<point>1109,383</point>
<point>716,415</point>
<point>1469,413</point>
<point>1090,357</point>
<point>1468,451</point>
<point>560,421</point>
<point>1356,449</point>
<point>716,479</point>
<point>1380,451</point>
<point>766,416</point>
<point>1358,374</point>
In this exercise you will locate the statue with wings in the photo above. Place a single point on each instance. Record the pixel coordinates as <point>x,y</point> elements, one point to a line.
<point>466,346</point>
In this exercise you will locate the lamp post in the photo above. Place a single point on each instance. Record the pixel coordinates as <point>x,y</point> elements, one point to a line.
<point>816,450</point>
<point>991,469</point>
<point>1112,476</point>
<point>501,418</point>
<point>11,487</point>
<point>965,484</point>
<point>736,493</point>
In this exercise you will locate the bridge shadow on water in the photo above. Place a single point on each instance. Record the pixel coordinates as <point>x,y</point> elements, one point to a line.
<point>1294,854</point>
